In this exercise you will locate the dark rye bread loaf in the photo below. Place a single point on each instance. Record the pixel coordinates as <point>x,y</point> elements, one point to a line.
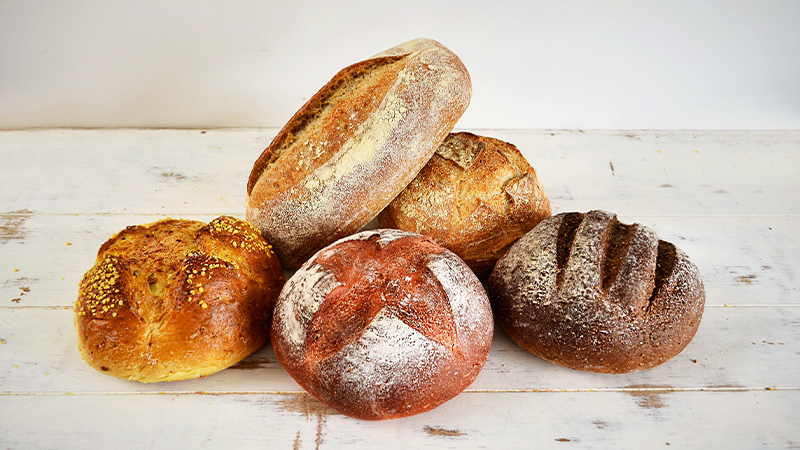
<point>476,196</point>
<point>177,299</point>
<point>354,146</point>
<point>590,293</point>
<point>383,324</point>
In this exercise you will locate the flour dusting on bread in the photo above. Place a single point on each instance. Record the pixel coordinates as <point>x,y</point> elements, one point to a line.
<point>383,324</point>
<point>590,293</point>
<point>369,135</point>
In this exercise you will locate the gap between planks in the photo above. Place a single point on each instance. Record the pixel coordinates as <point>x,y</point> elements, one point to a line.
<point>634,390</point>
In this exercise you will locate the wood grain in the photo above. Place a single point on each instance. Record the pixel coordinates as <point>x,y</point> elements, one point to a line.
<point>619,420</point>
<point>729,199</point>
<point>735,347</point>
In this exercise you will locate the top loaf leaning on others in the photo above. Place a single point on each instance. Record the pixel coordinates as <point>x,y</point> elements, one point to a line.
<point>354,146</point>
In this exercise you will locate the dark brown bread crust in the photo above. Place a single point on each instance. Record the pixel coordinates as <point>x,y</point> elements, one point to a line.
<point>177,299</point>
<point>476,196</point>
<point>587,292</point>
<point>354,146</point>
<point>383,324</point>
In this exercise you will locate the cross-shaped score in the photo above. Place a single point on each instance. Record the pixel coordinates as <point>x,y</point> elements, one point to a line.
<point>383,281</point>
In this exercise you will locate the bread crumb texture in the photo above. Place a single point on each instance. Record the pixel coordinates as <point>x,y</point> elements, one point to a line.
<point>588,292</point>
<point>476,196</point>
<point>177,299</point>
<point>383,324</point>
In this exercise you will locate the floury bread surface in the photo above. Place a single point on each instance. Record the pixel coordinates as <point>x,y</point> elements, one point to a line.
<point>383,324</point>
<point>588,292</point>
<point>354,146</point>
<point>177,299</point>
<point>476,196</point>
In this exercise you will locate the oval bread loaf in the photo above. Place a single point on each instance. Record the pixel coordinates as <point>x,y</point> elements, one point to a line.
<point>177,299</point>
<point>590,293</point>
<point>354,146</point>
<point>476,196</point>
<point>383,324</point>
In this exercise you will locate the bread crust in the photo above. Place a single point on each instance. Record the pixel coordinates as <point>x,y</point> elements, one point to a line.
<point>354,146</point>
<point>383,324</point>
<point>587,292</point>
<point>476,196</point>
<point>177,299</point>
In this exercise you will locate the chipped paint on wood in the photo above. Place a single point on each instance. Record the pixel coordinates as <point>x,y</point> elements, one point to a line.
<point>649,398</point>
<point>436,431</point>
<point>310,408</point>
<point>12,225</point>
<point>729,199</point>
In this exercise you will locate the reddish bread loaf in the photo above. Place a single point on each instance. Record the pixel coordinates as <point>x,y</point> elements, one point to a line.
<point>177,299</point>
<point>354,146</point>
<point>590,293</point>
<point>383,324</point>
<point>476,196</point>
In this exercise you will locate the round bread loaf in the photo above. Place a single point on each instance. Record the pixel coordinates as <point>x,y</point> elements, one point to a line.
<point>354,146</point>
<point>476,196</point>
<point>383,324</point>
<point>590,293</point>
<point>177,299</point>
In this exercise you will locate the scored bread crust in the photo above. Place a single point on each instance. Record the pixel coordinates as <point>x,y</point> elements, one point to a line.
<point>354,146</point>
<point>177,299</point>
<point>476,196</point>
<point>587,292</point>
<point>383,324</point>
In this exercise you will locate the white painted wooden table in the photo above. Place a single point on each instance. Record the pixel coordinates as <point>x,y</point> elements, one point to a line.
<point>731,200</point>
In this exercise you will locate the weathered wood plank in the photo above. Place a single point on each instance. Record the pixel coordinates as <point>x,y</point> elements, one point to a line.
<point>128,171</point>
<point>667,172</point>
<point>619,420</point>
<point>730,199</point>
<point>750,260</point>
<point>754,347</point>
<point>196,172</point>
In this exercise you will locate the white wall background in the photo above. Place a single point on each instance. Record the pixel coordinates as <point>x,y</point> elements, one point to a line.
<point>535,64</point>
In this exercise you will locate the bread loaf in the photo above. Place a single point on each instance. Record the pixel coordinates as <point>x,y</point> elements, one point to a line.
<point>590,293</point>
<point>383,324</point>
<point>354,146</point>
<point>476,196</point>
<point>177,299</point>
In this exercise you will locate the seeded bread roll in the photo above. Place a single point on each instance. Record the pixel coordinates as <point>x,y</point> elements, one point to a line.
<point>383,324</point>
<point>590,293</point>
<point>177,299</point>
<point>476,196</point>
<point>354,146</point>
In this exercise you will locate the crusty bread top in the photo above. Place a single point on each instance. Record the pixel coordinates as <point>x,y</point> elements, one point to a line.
<point>342,104</point>
<point>476,196</point>
<point>383,324</point>
<point>177,299</point>
<point>588,292</point>
<point>338,294</point>
<point>354,146</point>
<point>158,252</point>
